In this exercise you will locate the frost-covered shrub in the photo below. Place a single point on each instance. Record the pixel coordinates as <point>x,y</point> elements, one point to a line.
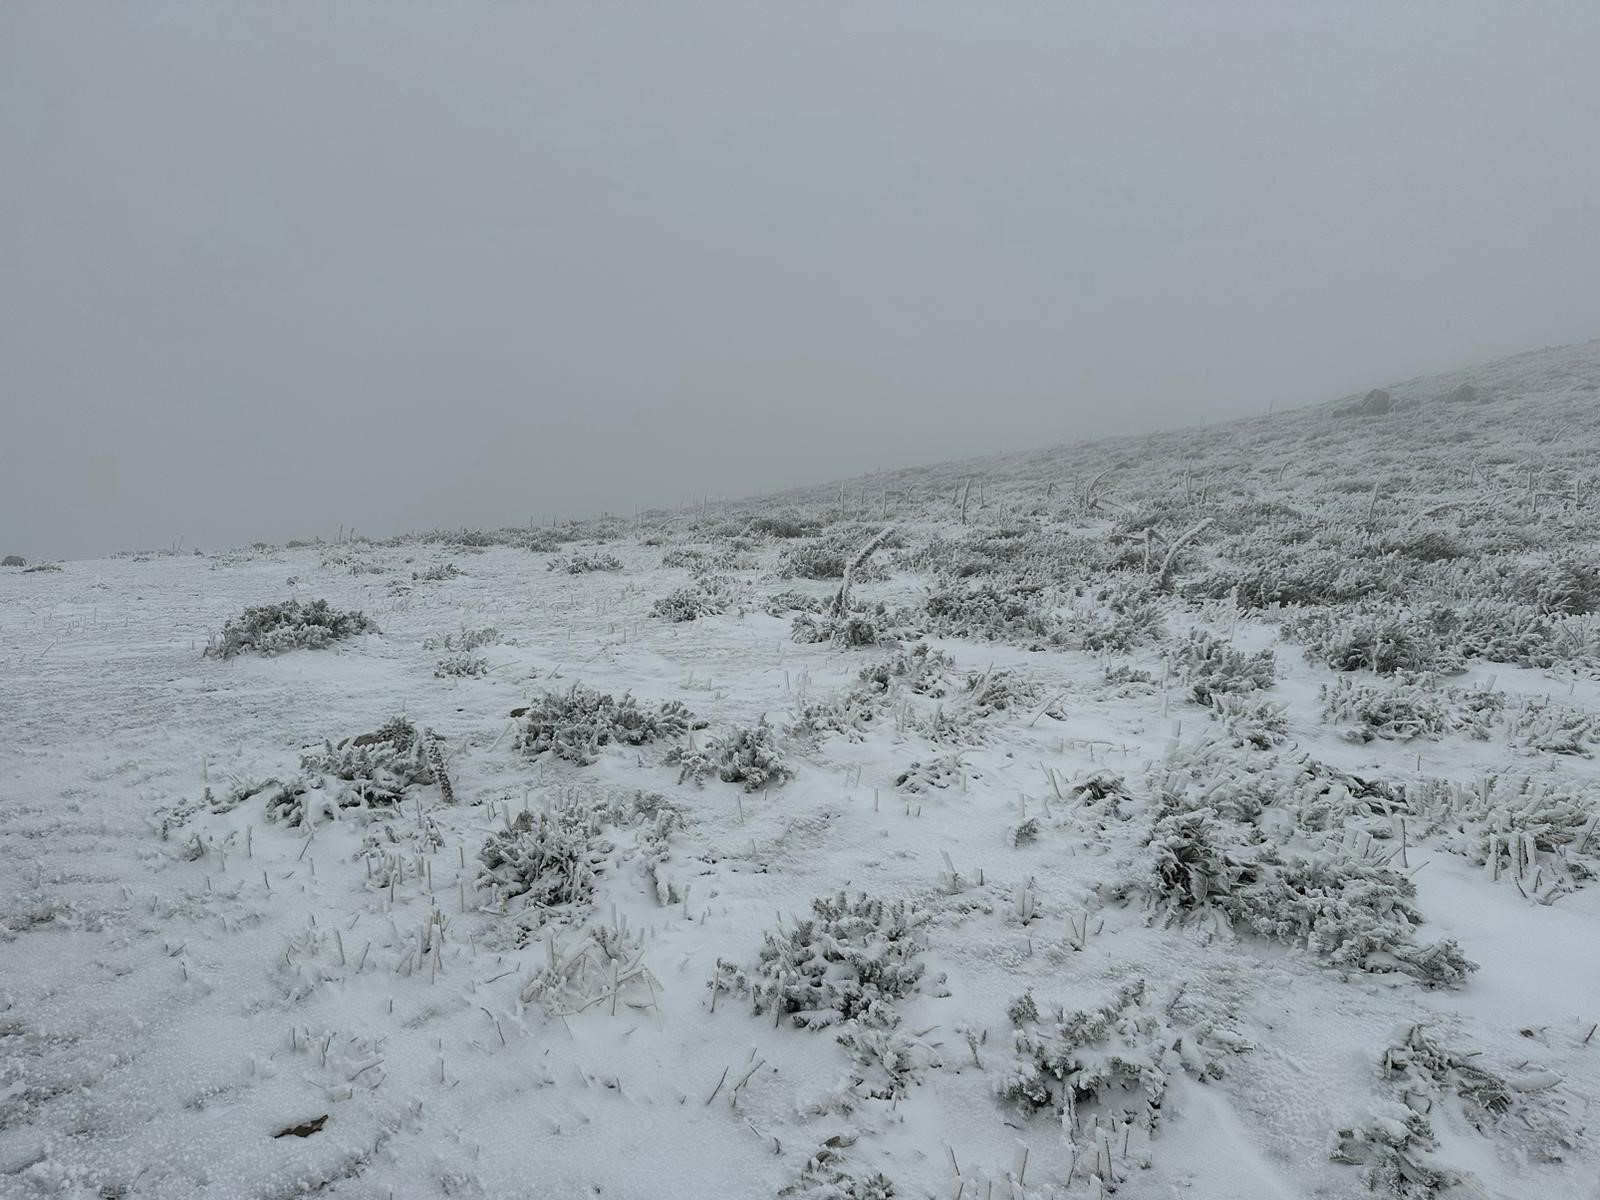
<point>1211,667</point>
<point>461,666</point>
<point>1251,722</point>
<point>849,713</point>
<point>290,625</point>
<point>1207,851</point>
<point>999,690</point>
<point>856,627</point>
<point>1113,1061</point>
<point>466,640</point>
<point>1538,831</point>
<point>547,858</point>
<point>920,668</point>
<point>584,561</point>
<point>849,961</point>
<point>825,558</point>
<point>782,603</point>
<point>986,612</point>
<point>1425,1078</point>
<point>708,596</point>
<point>1409,709</point>
<point>1118,617</point>
<point>749,754</point>
<point>784,525</point>
<point>1353,913</point>
<point>934,774</point>
<point>1383,639</point>
<point>372,771</point>
<point>578,723</point>
<point>1551,728</point>
<point>825,1176</point>
<point>437,574</point>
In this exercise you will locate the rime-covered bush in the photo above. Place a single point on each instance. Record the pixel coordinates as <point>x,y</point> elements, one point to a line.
<point>466,640</point>
<point>825,1176</point>
<point>1409,709</point>
<point>1423,1078</point>
<point>850,960</point>
<point>1539,831</point>
<point>289,625</point>
<point>919,668</point>
<point>934,774</point>
<point>1118,617</point>
<point>749,754</point>
<point>371,771</point>
<point>547,858</point>
<point>437,574</point>
<point>985,612</point>
<point>582,562</point>
<point>1251,722</point>
<point>1212,668</point>
<point>825,558</point>
<point>850,714</point>
<point>783,525</point>
<point>1539,724</point>
<point>1112,1061</point>
<point>461,666</point>
<point>855,627</point>
<point>1378,638</point>
<point>788,601</point>
<point>580,722</point>
<point>708,596</point>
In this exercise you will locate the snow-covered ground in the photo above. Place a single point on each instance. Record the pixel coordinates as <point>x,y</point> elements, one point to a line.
<point>350,1000</point>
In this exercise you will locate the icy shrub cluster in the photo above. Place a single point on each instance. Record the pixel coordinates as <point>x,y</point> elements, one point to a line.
<point>466,640</point>
<point>371,771</point>
<point>289,625</point>
<point>461,666</point>
<point>825,558</point>
<point>853,627</point>
<point>919,668</point>
<point>1543,834</point>
<point>437,574</point>
<point>1209,850</point>
<point>1249,721</point>
<point>1211,667</point>
<point>849,961</point>
<point>706,597</point>
<point>1114,1061</point>
<point>747,754</point>
<point>548,857</point>
<point>1554,728</point>
<point>986,612</point>
<point>1425,1079</point>
<point>849,713</point>
<point>1118,617</point>
<point>578,723</point>
<point>1414,707</point>
<point>584,561</point>
<point>826,1176</point>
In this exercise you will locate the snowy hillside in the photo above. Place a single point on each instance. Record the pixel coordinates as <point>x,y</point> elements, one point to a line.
<point>1211,814</point>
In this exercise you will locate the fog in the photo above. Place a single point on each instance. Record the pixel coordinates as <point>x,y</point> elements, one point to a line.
<point>267,270</point>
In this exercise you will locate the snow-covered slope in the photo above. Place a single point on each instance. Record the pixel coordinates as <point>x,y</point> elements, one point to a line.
<point>1083,852</point>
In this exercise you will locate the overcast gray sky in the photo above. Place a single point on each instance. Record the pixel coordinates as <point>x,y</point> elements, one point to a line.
<point>267,269</point>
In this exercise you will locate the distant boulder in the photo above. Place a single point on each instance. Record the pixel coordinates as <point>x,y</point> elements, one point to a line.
<point>13,560</point>
<point>1464,393</point>
<point>1376,403</point>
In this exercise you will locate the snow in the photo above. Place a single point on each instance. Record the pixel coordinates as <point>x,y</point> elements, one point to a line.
<point>163,1016</point>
